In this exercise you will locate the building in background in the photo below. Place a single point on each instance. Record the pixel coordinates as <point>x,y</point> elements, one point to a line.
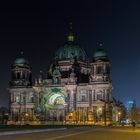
<point>128,106</point>
<point>3,115</point>
<point>119,112</point>
<point>76,90</point>
<point>134,113</point>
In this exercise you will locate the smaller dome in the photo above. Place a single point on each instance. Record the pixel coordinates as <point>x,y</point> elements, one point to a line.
<point>22,61</point>
<point>100,54</point>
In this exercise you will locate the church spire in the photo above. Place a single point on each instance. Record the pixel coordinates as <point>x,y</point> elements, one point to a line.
<point>70,35</point>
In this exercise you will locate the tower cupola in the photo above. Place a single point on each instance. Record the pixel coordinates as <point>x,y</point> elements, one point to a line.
<point>21,73</point>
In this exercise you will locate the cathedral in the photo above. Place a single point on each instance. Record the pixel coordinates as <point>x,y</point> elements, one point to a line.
<point>76,90</point>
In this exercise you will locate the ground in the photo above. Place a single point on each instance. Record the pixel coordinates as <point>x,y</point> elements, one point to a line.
<point>85,133</point>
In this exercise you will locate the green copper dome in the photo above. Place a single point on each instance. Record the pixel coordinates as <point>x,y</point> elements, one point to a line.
<point>70,51</point>
<point>100,54</point>
<point>21,61</point>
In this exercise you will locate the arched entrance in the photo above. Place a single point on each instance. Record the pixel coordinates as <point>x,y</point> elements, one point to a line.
<point>55,104</point>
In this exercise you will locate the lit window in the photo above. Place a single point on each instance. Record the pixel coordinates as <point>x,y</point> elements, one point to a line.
<point>17,99</point>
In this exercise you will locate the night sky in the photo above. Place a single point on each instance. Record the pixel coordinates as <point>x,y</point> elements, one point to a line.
<point>39,29</point>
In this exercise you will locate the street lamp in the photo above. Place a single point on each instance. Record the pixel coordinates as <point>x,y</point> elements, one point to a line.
<point>65,113</point>
<point>105,113</point>
<point>119,116</point>
<point>26,114</point>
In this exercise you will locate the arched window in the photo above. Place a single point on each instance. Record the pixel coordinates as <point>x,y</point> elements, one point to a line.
<point>32,99</point>
<point>99,96</point>
<point>23,75</point>
<point>18,75</point>
<point>99,69</point>
<point>83,98</point>
<point>17,99</point>
<point>108,69</point>
<point>68,97</point>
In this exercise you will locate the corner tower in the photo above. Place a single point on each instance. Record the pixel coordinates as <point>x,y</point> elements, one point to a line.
<point>21,92</point>
<point>100,75</point>
<point>21,73</point>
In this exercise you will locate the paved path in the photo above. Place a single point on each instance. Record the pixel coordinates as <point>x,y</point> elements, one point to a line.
<point>80,134</point>
<point>30,131</point>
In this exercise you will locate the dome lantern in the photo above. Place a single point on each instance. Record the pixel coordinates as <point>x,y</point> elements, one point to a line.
<point>70,35</point>
<point>21,60</point>
<point>70,50</point>
<point>100,53</point>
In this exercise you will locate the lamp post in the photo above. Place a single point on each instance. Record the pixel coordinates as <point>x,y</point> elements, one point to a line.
<point>24,105</point>
<point>105,113</point>
<point>119,117</point>
<point>65,113</point>
<point>26,116</point>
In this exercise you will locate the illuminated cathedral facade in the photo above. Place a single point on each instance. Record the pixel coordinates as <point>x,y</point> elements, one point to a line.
<point>76,90</point>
